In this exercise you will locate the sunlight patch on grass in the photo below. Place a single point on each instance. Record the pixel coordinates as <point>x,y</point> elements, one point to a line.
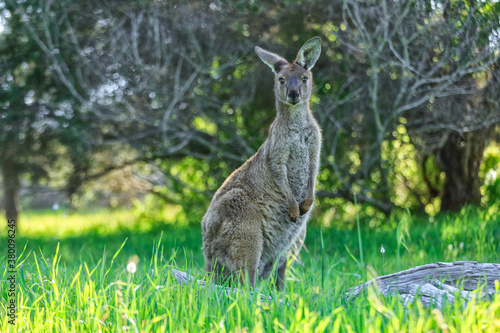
<point>61,224</point>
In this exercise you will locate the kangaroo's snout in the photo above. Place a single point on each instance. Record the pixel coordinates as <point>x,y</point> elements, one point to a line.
<point>293,96</point>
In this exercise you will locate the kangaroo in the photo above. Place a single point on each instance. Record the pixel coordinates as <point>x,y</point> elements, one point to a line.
<point>260,212</point>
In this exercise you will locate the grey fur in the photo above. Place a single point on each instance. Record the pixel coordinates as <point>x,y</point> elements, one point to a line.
<point>260,212</point>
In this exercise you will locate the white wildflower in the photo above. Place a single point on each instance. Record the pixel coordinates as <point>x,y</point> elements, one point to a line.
<point>131,267</point>
<point>132,264</point>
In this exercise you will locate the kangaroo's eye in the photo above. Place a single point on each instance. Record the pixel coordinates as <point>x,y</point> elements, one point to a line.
<point>304,79</point>
<point>282,80</point>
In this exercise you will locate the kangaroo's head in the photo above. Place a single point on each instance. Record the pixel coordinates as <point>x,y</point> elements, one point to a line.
<point>293,81</point>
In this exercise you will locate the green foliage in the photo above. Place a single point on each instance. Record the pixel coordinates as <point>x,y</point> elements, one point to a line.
<point>176,85</point>
<point>73,276</point>
<point>42,138</point>
<point>490,172</point>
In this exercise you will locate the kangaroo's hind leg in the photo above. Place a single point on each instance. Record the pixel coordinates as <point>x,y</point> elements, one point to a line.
<point>246,251</point>
<point>240,235</point>
<point>280,272</point>
<point>289,258</point>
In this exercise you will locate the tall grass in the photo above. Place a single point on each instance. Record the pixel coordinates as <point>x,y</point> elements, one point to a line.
<point>64,289</point>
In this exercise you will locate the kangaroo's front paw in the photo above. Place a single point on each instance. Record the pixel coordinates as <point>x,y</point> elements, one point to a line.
<point>293,209</point>
<point>305,206</point>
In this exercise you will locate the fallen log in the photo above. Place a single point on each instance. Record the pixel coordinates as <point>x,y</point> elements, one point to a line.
<point>186,279</point>
<point>434,284</point>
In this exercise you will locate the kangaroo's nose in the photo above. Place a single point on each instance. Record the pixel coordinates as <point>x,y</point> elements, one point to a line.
<point>293,96</point>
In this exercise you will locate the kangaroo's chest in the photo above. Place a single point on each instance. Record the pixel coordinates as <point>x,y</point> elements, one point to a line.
<point>299,163</point>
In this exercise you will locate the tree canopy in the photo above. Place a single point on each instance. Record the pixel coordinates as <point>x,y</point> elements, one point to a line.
<point>405,96</point>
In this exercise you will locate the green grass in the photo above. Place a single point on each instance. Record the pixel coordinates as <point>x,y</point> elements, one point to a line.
<point>72,276</point>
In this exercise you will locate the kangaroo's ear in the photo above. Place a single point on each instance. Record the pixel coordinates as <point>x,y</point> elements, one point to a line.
<point>309,53</point>
<point>272,60</point>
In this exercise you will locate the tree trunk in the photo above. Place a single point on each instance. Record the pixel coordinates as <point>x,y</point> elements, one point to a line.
<point>460,158</point>
<point>11,189</point>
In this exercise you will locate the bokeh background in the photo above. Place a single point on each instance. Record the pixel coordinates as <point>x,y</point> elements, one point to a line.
<point>147,106</point>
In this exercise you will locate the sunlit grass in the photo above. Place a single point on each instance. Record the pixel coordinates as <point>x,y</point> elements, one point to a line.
<point>71,282</point>
<point>63,223</point>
